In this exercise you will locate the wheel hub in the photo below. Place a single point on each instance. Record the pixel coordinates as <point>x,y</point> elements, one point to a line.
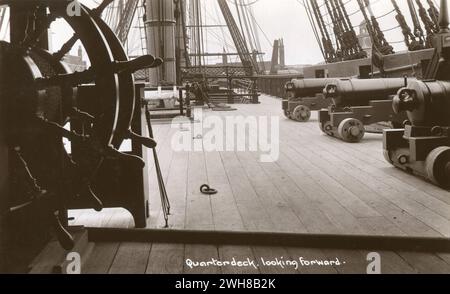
<point>351,130</point>
<point>354,131</point>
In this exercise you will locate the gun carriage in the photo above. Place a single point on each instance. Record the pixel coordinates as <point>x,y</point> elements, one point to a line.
<point>422,147</point>
<point>357,104</point>
<point>304,96</point>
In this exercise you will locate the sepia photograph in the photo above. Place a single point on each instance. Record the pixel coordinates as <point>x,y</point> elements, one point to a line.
<point>224,144</point>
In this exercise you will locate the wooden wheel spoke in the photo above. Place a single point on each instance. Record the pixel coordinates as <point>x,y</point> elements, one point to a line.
<point>66,47</point>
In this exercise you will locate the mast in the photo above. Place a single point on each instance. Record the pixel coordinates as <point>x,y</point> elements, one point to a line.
<point>443,18</point>
<point>160,26</point>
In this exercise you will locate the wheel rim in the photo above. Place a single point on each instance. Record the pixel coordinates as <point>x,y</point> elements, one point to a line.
<point>37,103</point>
<point>126,84</point>
<point>438,166</point>
<point>351,130</point>
<point>96,46</point>
<point>302,113</point>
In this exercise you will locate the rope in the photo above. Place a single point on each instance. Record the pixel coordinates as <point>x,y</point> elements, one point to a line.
<point>328,46</point>
<point>264,33</point>
<point>418,32</point>
<point>165,203</point>
<point>429,25</point>
<point>316,33</point>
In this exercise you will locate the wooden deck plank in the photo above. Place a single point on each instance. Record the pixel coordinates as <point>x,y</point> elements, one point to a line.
<point>319,182</point>
<point>131,258</point>
<point>370,192</point>
<point>318,185</point>
<point>238,253</point>
<point>338,214</point>
<point>200,253</point>
<point>336,189</point>
<point>411,182</point>
<point>426,263</point>
<point>360,164</point>
<point>166,259</point>
<point>281,213</point>
<point>358,170</point>
<point>198,206</point>
<point>226,215</point>
<point>332,179</point>
<point>444,256</point>
<point>312,132</point>
<point>356,262</point>
<point>381,226</point>
<point>408,190</point>
<point>225,212</point>
<point>307,209</point>
<point>101,258</point>
<point>252,211</point>
<point>392,263</point>
<point>392,213</point>
<point>336,211</point>
<point>308,254</point>
<point>399,197</point>
<point>351,262</point>
<point>265,255</point>
<point>372,155</point>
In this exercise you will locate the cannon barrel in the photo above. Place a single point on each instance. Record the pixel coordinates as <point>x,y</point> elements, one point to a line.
<point>354,92</point>
<point>306,87</point>
<point>426,102</point>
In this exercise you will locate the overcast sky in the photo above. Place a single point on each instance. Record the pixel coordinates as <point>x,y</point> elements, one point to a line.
<point>285,19</point>
<point>288,19</point>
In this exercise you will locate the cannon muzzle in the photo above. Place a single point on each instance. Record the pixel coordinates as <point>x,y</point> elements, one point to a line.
<point>306,87</point>
<point>426,102</point>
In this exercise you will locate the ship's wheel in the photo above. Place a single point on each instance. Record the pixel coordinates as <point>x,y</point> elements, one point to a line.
<point>41,95</point>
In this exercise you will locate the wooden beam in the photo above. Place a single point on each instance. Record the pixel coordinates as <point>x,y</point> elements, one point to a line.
<point>322,241</point>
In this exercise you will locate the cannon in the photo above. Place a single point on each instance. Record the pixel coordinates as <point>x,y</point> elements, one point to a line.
<point>357,104</point>
<point>423,146</point>
<point>304,96</point>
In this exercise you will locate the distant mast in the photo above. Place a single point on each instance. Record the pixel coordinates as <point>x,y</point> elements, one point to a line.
<point>160,27</point>
<point>443,17</point>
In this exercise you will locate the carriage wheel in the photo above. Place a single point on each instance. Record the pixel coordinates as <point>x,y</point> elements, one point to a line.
<point>438,166</point>
<point>351,130</point>
<point>301,113</point>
